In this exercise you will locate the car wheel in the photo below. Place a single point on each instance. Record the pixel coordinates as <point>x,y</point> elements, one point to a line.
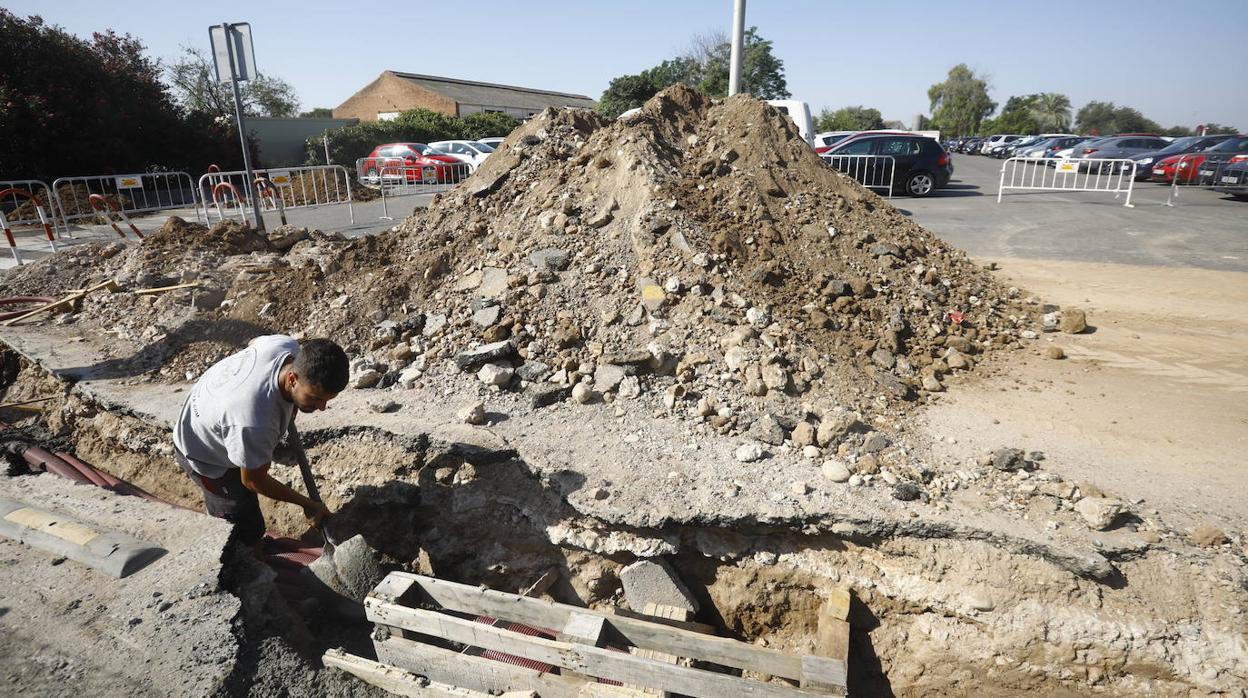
<point>920,184</point>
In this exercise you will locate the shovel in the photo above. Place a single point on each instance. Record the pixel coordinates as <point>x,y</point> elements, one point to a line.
<point>292,435</point>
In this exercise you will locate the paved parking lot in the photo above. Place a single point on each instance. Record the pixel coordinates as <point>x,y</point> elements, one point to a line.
<point>1204,229</point>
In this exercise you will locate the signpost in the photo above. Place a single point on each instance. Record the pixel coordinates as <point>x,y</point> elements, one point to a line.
<point>234,58</point>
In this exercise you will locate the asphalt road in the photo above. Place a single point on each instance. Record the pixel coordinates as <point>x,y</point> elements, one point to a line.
<point>1204,229</point>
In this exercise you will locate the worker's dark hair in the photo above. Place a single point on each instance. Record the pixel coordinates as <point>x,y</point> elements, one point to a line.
<point>324,364</point>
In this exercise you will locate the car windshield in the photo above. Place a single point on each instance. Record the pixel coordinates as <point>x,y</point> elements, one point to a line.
<point>1230,145</point>
<point>1180,144</point>
<point>483,147</point>
<point>420,148</point>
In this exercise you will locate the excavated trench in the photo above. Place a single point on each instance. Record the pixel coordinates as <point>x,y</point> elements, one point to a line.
<point>931,616</point>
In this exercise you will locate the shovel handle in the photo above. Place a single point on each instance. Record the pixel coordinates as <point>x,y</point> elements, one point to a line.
<point>292,434</point>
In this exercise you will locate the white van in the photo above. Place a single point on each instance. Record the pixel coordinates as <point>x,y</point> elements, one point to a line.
<point>799,112</point>
<point>998,139</point>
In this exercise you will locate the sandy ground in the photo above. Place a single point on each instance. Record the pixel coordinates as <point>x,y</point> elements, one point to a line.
<point>1152,402</point>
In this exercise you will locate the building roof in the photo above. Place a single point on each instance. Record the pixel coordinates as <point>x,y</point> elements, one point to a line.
<point>489,94</point>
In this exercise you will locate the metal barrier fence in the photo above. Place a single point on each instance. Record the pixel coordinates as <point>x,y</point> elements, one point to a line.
<point>285,188</point>
<point>16,205</point>
<point>394,177</point>
<point>871,171</point>
<point>1108,175</point>
<point>125,194</point>
<point>1197,170</point>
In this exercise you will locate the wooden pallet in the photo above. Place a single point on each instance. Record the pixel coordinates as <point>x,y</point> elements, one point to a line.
<point>418,617</point>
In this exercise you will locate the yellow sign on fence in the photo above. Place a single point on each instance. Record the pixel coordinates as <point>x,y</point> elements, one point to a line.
<point>280,178</point>
<point>1067,166</point>
<point>130,182</point>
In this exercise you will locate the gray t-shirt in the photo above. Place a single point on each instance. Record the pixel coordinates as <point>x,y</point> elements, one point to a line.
<point>236,415</point>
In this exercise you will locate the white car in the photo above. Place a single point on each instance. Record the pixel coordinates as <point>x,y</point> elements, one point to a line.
<point>998,139</point>
<point>471,152</point>
<point>492,141</point>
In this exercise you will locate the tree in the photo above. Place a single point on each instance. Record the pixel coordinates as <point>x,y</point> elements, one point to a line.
<point>1103,118</point>
<point>857,118</point>
<point>1051,111</point>
<point>1017,116</point>
<point>961,102</point>
<point>70,106</point>
<point>705,65</point>
<point>1213,128</point>
<point>197,90</point>
<point>317,113</point>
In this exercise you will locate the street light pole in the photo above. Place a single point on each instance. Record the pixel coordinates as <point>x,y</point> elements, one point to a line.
<point>250,183</point>
<point>738,38</point>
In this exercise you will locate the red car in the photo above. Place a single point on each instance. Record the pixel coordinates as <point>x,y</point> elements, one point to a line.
<point>1188,168</point>
<point>416,161</point>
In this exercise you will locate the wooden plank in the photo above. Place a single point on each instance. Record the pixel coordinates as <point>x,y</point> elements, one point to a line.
<point>832,639</point>
<point>823,675</point>
<point>832,642</point>
<point>392,589</point>
<point>164,289</point>
<point>477,673</point>
<point>837,604</point>
<point>404,683</point>
<point>690,625</point>
<point>584,628</point>
<point>644,634</point>
<point>592,661</point>
<point>111,285</point>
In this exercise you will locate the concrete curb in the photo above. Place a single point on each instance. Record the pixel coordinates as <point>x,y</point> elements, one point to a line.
<point>115,553</point>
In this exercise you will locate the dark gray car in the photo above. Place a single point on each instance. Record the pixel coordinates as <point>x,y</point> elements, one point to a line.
<point>1118,147</point>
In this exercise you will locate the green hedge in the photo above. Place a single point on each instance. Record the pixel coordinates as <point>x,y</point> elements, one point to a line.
<point>350,143</point>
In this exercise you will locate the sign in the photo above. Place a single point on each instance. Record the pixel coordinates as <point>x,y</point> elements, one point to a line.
<point>1067,166</point>
<point>239,43</point>
<point>280,178</point>
<point>129,182</point>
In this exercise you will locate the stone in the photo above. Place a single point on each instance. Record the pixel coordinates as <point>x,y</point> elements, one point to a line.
<point>1207,537</point>
<point>906,491</point>
<point>835,427</point>
<point>811,452</point>
<point>550,259</point>
<point>856,481</point>
<point>1028,334</point>
<point>1051,321</point>
<point>736,358</point>
<point>775,377</point>
<point>1008,459</point>
<point>932,384</point>
<point>402,352</point>
<point>867,465</point>
<point>474,359</point>
<point>881,249</point>
<point>533,371</point>
<point>494,374</point>
<point>958,360</point>
<point>550,396</point>
<point>1099,513</point>
<point>488,316</point>
<point>433,325</point>
<point>749,453</point>
<point>767,430</point>
<point>368,378</point>
<point>803,434</point>
<point>835,470</point>
<point>607,377</point>
<point>875,442</point>
<point>382,406</point>
<point>652,296</point>
<point>630,387</point>
<point>473,414</point>
<point>1055,352</point>
<point>493,282</point>
<point>758,317</point>
<point>654,581</point>
<point>208,298</point>
<point>582,393</point>
<point>980,600</point>
<point>1073,321</point>
<point>409,376</point>
<point>959,343</point>
<point>883,358</point>
<point>284,237</point>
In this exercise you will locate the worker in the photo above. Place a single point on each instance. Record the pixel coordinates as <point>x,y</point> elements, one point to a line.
<point>235,416</point>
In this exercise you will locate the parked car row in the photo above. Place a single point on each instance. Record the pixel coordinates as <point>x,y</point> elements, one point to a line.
<point>919,165</point>
<point>436,162</point>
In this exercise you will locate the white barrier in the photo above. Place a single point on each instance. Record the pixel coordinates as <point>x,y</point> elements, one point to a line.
<point>126,194</point>
<point>394,177</point>
<point>871,171</point>
<point>11,202</point>
<point>287,188</point>
<point>1195,170</point>
<point>1108,175</point>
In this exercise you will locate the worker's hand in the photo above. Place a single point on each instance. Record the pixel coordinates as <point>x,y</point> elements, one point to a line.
<point>316,513</point>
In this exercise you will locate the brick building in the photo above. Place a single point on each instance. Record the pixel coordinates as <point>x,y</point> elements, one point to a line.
<point>394,92</point>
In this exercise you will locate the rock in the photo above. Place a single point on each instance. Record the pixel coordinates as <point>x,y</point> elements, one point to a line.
<point>835,427</point>
<point>1099,513</point>
<point>906,491</point>
<point>749,453</point>
<point>208,298</point>
<point>433,325</point>
<point>867,465</point>
<point>811,452</point>
<point>835,471</point>
<point>474,359</point>
<point>957,359</point>
<point>551,259</point>
<point>487,316</point>
<point>630,387</point>
<point>883,358</point>
<point>960,344</point>
<point>932,384</point>
<point>775,377</point>
<point>533,371</point>
<point>803,434</point>
<point>494,374</point>
<point>368,378</point>
<point>767,430</point>
<point>284,237</point>
<point>1055,352</point>
<point>875,442</point>
<point>607,377</point>
<point>736,358</point>
<point>881,249</point>
<point>758,317</point>
<point>550,396</point>
<point>582,393</point>
<point>402,352</point>
<point>493,282</point>
<point>382,406</point>
<point>473,414</point>
<point>1051,321</point>
<point>1008,459</point>
<point>1207,537</point>
<point>652,296</point>
<point>653,581</point>
<point>980,600</point>
<point>409,376</point>
<point>1073,321</point>
<point>856,481</point>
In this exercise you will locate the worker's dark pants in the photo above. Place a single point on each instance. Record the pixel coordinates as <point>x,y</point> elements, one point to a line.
<point>227,498</point>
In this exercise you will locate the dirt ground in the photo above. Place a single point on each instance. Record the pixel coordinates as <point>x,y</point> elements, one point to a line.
<point>1151,403</point>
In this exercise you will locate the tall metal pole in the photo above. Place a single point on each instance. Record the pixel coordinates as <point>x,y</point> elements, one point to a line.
<point>738,38</point>
<point>250,184</point>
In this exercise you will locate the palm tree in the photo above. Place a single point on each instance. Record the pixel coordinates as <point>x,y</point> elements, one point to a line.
<point>1052,110</point>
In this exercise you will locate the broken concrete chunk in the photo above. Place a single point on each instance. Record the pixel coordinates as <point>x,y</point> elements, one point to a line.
<point>494,374</point>
<point>1099,513</point>
<point>551,259</point>
<point>607,377</point>
<point>654,581</point>
<point>474,359</point>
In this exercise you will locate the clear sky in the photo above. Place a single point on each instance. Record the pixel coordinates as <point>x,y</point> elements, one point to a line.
<point>1177,64</point>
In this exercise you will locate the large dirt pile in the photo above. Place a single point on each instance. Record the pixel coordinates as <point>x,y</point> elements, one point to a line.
<point>700,249</point>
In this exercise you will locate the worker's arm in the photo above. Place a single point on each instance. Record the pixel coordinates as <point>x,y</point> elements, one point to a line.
<point>259,481</point>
